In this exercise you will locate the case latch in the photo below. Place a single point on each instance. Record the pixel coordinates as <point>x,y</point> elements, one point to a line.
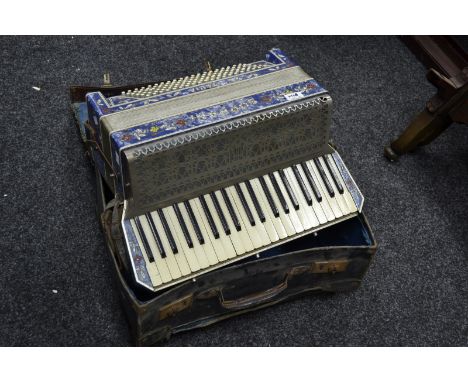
<point>330,266</point>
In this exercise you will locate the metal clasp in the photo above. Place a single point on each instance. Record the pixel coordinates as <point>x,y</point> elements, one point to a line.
<point>330,266</point>
<point>107,79</point>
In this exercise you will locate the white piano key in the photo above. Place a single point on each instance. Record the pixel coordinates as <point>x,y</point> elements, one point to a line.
<point>153,272</point>
<point>329,205</point>
<point>241,244</point>
<point>170,259</point>
<point>255,235</point>
<point>182,246</point>
<point>158,260</point>
<point>285,221</point>
<point>197,247</point>
<point>270,222</point>
<point>225,240</point>
<point>300,212</point>
<point>293,216</point>
<point>276,220</point>
<point>243,233</point>
<point>305,212</point>
<point>208,247</point>
<point>260,227</point>
<point>208,233</point>
<point>332,202</point>
<point>179,256</point>
<point>347,196</point>
<point>338,197</point>
<point>318,207</point>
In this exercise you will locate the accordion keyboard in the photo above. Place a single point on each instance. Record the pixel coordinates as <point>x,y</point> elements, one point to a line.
<point>195,236</point>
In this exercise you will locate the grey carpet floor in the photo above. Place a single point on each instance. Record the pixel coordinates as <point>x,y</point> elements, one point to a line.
<point>416,290</point>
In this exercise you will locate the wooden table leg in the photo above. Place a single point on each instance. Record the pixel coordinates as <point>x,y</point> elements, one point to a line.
<point>421,131</point>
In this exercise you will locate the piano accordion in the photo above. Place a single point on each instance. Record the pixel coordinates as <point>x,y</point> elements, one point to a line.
<point>217,167</point>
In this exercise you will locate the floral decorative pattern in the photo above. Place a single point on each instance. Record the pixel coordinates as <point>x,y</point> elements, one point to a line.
<point>214,114</point>
<point>138,261</point>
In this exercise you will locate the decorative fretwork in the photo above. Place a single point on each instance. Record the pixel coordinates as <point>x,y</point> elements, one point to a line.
<point>190,164</point>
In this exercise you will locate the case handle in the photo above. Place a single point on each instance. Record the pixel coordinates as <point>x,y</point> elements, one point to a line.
<point>253,299</point>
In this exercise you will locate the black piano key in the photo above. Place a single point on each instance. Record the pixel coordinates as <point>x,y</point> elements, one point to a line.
<point>271,202</point>
<point>279,193</point>
<point>219,211</point>
<point>310,179</point>
<point>194,222</point>
<point>324,177</point>
<point>334,176</point>
<point>182,224</point>
<point>143,239</point>
<point>289,190</point>
<point>260,213</point>
<point>245,205</point>
<point>303,187</point>
<point>207,212</point>
<point>231,210</point>
<point>155,232</point>
<point>168,232</point>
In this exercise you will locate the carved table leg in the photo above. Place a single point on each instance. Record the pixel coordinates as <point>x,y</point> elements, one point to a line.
<point>421,131</point>
<point>447,65</point>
